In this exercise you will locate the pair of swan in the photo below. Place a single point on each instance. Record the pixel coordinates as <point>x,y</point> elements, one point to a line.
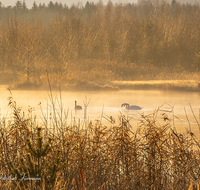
<point>131,107</point>
<point>126,105</point>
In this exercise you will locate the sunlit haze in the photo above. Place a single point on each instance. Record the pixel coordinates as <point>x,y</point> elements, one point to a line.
<point>29,3</point>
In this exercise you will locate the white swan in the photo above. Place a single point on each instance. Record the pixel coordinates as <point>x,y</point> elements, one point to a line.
<point>132,107</point>
<point>77,107</point>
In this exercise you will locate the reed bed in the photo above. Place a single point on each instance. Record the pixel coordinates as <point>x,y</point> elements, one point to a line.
<point>90,155</point>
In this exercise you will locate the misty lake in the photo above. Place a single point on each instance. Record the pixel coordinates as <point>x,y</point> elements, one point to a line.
<point>108,103</point>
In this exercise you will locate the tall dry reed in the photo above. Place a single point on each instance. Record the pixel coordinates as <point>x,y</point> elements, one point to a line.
<point>95,156</point>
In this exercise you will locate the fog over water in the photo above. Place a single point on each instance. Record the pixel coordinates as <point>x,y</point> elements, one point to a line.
<point>108,104</point>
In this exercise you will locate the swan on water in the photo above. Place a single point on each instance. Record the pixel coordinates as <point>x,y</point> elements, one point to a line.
<point>131,107</point>
<point>77,107</point>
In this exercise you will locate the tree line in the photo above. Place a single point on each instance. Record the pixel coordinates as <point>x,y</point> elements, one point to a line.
<point>104,41</point>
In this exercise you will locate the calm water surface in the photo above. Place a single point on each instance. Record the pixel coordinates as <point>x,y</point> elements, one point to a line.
<point>109,104</point>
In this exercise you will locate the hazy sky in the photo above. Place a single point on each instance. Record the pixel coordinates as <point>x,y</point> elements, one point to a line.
<point>29,3</point>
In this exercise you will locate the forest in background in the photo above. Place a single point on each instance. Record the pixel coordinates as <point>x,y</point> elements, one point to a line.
<point>99,43</point>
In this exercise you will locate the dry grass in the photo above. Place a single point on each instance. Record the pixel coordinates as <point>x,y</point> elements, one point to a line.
<point>185,85</point>
<point>103,157</point>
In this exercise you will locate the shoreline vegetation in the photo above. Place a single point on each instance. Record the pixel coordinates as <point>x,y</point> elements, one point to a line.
<point>57,154</point>
<point>90,46</point>
<point>169,85</point>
